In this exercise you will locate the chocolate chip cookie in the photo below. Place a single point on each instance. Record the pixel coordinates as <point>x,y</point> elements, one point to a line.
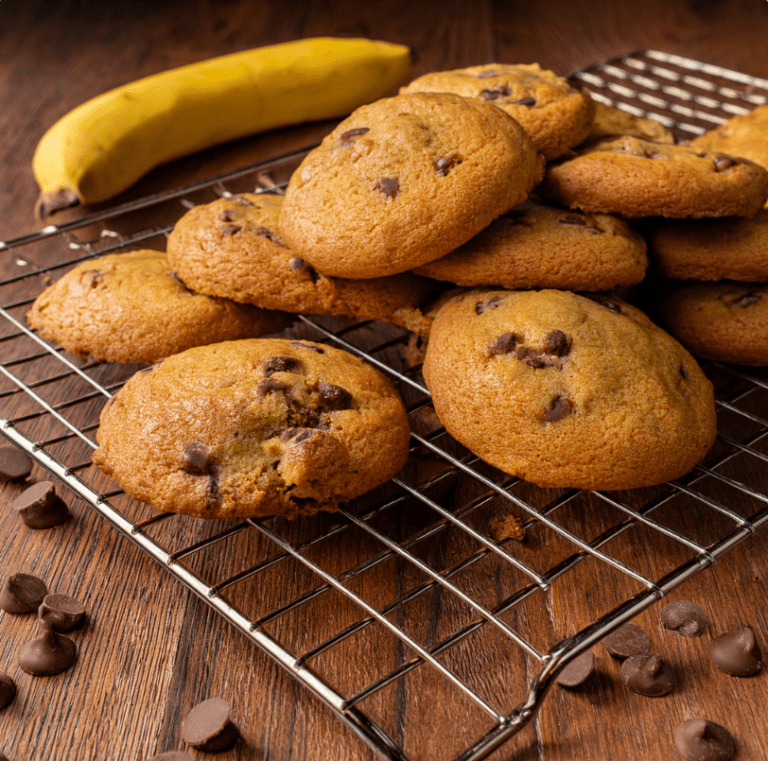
<point>252,428</point>
<point>732,248</point>
<point>639,178</point>
<point>554,114</point>
<point>232,248</point>
<point>539,246</point>
<point>130,307</point>
<point>403,181</point>
<point>610,122</point>
<point>567,391</point>
<point>724,321</point>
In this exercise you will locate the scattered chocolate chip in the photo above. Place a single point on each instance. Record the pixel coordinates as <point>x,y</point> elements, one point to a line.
<point>736,653</point>
<point>269,386</point>
<point>40,506</point>
<point>172,755</point>
<point>226,215</point>
<point>15,465</point>
<point>333,397</point>
<point>703,740</point>
<point>610,305</point>
<point>523,102</point>
<point>47,654</point>
<point>208,726</point>
<point>558,409</point>
<point>93,277</point>
<point>494,93</point>
<point>22,593</point>
<point>627,640</point>
<point>265,232</point>
<point>346,137</point>
<point>61,612</point>
<point>280,365</point>
<point>196,458</point>
<point>7,691</point>
<point>723,162</point>
<point>683,375</point>
<point>299,345</point>
<point>297,264</point>
<point>487,304</point>
<point>531,357</point>
<point>577,671</point>
<point>649,675</point>
<point>557,343</point>
<point>487,74</point>
<point>228,230</point>
<point>504,344</point>
<point>444,164</point>
<point>684,616</point>
<point>387,186</point>
<point>742,302</point>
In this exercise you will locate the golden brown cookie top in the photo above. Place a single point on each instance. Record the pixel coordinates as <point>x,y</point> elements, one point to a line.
<point>640,178</point>
<point>232,248</point>
<point>403,181</point>
<point>610,122</point>
<point>567,391</point>
<point>539,246</point>
<point>254,427</point>
<point>130,307</point>
<point>554,114</point>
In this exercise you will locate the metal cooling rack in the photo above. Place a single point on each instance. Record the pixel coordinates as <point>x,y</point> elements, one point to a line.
<point>433,534</point>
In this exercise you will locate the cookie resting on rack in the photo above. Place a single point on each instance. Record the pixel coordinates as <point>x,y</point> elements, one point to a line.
<point>232,248</point>
<point>640,178</point>
<point>567,391</point>
<point>253,428</point>
<point>403,181</point>
<point>130,307</point>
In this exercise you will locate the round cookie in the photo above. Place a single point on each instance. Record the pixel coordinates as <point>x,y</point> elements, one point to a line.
<point>727,322</point>
<point>610,122</point>
<point>554,114</point>
<point>403,181</point>
<point>732,248</point>
<point>567,391</point>
<point>232,248</point>
<point>539,246</point>
<point>252,428</point>
<point>130,307</point>
<point>639,178</point>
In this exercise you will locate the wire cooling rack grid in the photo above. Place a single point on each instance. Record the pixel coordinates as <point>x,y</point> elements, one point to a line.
<point>434,536</point>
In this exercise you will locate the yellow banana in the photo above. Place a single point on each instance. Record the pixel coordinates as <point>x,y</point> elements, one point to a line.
<point>103,146</point>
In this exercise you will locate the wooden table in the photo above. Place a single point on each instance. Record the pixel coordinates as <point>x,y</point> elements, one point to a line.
<point>152,649</point>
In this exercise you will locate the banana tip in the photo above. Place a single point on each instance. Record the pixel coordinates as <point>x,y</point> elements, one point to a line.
<point>52,201</point>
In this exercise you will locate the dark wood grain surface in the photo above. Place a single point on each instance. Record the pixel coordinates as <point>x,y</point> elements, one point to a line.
<point>151,648</point>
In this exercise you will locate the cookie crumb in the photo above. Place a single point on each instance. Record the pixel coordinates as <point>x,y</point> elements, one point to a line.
<point>507,527</point>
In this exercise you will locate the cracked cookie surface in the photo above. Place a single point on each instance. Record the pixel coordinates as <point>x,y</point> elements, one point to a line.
<point>130,307</point>
<point>253,428</point>
<point>567,391</point>
<point>403,181</point>
<point>232,248</point>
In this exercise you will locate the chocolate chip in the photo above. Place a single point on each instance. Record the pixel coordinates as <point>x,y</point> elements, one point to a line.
<point>627,640</point>
<point>703,740</point>
<point>494,93</point>
<point>736,653</point>
<point>487,74</point>
<point>299,345</point>
<point>487,304</point>
<point>269,386</point>
<point>280,365</point>
<point>577,671</point>
<point>40,506</point>
<point>7,691</point>
<point>649,675</point>
<point>444,164</point>
<point>557,343</point>
<point>22,593</point>
<point>208,726</point>
<point>559,408</point>
<point>387,186</point>
<point>610,305</point>
<point>523,102</point>
<point>532,357</point>
<point>48,653</point>
<point>297,435</point>
<point>684,376</point>
<point>504,344</point>
<point>742,302</point>
<point>722,162</point>
<point>265,232</point>
<point>297,264</point>
<point>516,217</point>
<point>61,612</point>
<point>226,215</point>
<point>333,397</point>
<point>228,230</point>
<point>684,617</point>
<point>15,465</point>
<point>196,458</point>
<point>93,277</point>
<point>346,137</point>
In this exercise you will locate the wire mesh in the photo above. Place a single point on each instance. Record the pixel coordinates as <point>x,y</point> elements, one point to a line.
<point>408,601</point>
